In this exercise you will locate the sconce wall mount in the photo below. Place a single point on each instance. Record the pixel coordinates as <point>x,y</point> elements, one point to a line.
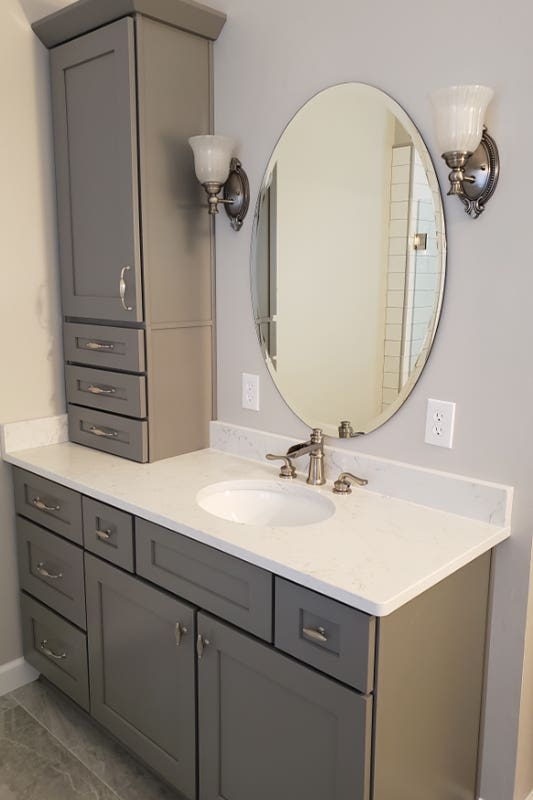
<point>466,146</point>
<point>474,176</point>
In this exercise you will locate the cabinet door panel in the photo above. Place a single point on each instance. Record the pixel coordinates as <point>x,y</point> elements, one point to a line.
<point>272,728</point>
<point>142,675</point>
<point>93,89</point>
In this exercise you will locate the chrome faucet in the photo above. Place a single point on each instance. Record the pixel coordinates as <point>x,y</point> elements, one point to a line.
<point>315,449</point>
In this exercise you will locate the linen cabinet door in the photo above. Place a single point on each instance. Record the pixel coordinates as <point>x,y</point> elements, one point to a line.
<point>94,108</point>
<point>272,728</point>
<point>142,670</point>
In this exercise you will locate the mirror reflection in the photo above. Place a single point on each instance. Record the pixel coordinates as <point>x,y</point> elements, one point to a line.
<point>348,259</point>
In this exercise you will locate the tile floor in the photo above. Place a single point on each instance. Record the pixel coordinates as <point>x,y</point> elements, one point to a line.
<point>49,750</point>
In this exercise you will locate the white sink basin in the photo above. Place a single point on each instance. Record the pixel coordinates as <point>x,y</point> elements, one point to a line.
<point>269,503</point>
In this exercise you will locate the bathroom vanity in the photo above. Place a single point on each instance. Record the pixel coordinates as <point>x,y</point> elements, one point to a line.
<point>341,660</point>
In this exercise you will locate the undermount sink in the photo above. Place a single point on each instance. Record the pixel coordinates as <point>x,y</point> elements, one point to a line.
<point>269,503</point>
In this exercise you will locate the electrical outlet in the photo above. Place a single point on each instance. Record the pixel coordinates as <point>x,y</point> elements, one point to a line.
<point>440,421</point>
<point>250,391</point>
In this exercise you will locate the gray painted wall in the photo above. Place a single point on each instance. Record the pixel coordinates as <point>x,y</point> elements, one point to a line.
<point>271,57</point>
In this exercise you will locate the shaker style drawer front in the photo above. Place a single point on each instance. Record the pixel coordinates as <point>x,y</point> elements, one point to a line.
<point>326,634</point>
<point>112,434</point>
<point>116,392</point>
<point>228,587</point>
<point>108,533</point>
<point>49,504</point>
<point>51,570</point>
<point>56,648</point>
<point>104,346</point>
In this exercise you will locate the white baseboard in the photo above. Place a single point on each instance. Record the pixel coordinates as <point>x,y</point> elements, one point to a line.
<point>529,797</point>
<point>15,674</point>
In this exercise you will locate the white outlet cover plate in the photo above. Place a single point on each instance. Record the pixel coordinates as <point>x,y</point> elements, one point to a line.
<point>250,391</point>
<point>440,423</point>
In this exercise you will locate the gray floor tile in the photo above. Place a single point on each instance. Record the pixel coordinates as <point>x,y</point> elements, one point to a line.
<point>98,752</point>
<point>6,703</point>
<point>34,766</point>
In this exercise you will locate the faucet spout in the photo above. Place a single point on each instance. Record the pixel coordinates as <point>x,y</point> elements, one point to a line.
<point>315,449</point>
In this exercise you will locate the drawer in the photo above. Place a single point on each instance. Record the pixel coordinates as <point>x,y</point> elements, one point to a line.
<point>51,570</point>
<point>228,587</point>
<point>328,635</point>
<point>112,434</point>
<point>56,648</point>
<point>108,533</point>
<point>104,346</point>
<point>50,504</point>
<point>116,392</point>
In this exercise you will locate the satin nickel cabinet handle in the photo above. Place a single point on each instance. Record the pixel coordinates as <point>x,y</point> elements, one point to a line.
<point>122,288</point>
<point>38,503</point>
<point>179,632</point>
<point>99,346</point>
<point>104,536</point>
<point>201,644</point>
<point>316,634</point>
<point>101,389</point>
<point>46,650</point>
<point>104,434</point>
<point>41,569</point>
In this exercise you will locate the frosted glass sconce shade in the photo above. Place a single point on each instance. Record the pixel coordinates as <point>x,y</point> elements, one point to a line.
<point>212,157</point>
<point>218,170</point>
<point>459,114</point>
<point>469,151</point>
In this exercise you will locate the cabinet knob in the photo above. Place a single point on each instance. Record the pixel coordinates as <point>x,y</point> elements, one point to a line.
<point>101,389</point>
<point>99,346</point>
<point>316,634</point>
<point>122,288</point>
<point>104,536</point>
<point>179,631</point>
<point>41,569</point>
<point>38,503</point>
<point>103,434</point>
<point>201,644</point>
<point>50,653</point>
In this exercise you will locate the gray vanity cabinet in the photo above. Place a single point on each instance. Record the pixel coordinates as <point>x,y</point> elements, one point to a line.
<point>136,242</point>
<point>93,81</point>
<point>272,728</point>
<point>142,670</point>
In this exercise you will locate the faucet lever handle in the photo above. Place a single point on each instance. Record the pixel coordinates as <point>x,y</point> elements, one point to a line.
<point>343,483</point>
<point>287,470</point>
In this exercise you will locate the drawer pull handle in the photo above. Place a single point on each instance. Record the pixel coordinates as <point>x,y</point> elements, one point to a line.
<point>41,569</point>
<point>316,634</point>
<point>99,346</point>
<point>105,434</point>
<point>46,650</point>
<point>179,631</point>
<point>122,288</point>
<point>104,536</point>
<point>201,644</point>
<point>101,389</point>
<point>38,503</point>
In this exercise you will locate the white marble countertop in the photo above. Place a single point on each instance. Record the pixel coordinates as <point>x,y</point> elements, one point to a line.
<point>375,553</point>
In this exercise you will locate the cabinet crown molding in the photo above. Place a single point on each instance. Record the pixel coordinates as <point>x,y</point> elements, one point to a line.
<point>87,15</point>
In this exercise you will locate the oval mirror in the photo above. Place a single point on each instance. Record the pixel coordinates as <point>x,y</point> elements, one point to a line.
<point>348,260</point>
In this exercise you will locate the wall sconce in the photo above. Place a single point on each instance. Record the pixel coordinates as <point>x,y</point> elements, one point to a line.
<point>217,169</point>
<point>467,148</point>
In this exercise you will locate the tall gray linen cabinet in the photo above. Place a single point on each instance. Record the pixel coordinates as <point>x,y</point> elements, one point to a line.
<point>131,81</point>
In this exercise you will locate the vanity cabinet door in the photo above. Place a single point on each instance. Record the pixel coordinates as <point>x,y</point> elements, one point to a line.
<point>142,670</point>
<point>272,728</point>
<point>94,102</point>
